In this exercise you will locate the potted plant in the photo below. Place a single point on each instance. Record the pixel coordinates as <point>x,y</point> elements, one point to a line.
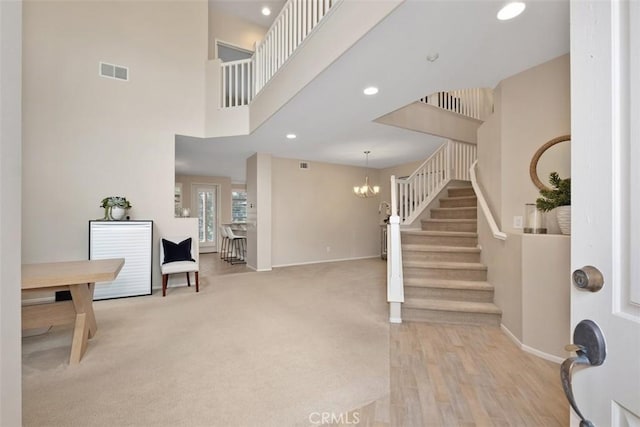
<point>558,198</point>
<point>114,207</point>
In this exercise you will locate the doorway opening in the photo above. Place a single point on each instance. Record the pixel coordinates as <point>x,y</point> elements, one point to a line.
<point>227,52</point>
<point>205,200</point>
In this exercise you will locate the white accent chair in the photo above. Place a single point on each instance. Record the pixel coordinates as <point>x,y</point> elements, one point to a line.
<point>181,266</point>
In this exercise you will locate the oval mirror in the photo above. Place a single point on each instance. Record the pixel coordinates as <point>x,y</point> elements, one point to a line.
<point>551,157</point>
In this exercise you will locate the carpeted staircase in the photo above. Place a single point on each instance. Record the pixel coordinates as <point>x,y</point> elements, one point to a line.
<point>444,280</point>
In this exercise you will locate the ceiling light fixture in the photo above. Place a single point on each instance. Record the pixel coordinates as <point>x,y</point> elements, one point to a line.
<point>371,90</point>
<point>266,11</point>
<point>511,10</point>
<point>366,190</point>
<point>291,136</point>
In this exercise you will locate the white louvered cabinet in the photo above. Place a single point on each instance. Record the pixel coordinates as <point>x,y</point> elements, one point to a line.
<point>131,240</point>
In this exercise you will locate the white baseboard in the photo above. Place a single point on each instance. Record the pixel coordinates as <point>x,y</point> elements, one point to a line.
<point>531,350</point>
<point>325,261</point>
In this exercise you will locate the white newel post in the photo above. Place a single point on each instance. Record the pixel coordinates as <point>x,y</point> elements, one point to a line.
<point>395,285</point>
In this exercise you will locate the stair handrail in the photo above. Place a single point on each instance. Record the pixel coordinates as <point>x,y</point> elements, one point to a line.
<point>395,279</point>
<point>451,161</point>
<point>482,201</point>
<point>419,188</point>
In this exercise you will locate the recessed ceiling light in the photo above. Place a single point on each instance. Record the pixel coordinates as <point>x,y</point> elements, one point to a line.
<point>291,136</point>
<point>511,10</point>
<point>371,90</point>
<point>266,11</point>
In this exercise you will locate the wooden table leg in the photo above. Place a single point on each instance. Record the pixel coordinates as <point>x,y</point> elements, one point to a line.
<point>85,325</point>
<point>80,337</point>
<point>83,302</point>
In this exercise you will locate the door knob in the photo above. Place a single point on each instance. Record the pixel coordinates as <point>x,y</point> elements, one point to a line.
<point>591,350</point>
<point>588,278</point>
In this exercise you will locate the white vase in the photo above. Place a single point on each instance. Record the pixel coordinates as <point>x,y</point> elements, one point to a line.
<point>563,214</point>
<point>117,213</point>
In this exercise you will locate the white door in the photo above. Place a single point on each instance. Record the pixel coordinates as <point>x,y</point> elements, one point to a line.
<point>205,204</point>
<point>605,98</point>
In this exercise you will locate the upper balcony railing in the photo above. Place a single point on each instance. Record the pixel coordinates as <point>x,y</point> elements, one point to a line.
<point>476,103</point>
<point>236,79</point>
<point>242,80</point>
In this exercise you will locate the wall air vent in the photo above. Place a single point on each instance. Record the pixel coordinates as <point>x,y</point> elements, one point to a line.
<point>304,165</point>
<point>112,71</point>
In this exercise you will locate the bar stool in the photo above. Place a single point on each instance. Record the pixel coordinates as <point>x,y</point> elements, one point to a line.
<point>238,246</point>
<point>224,247</point>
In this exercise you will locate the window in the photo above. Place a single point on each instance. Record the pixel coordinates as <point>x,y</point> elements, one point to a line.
<point>239,206</point>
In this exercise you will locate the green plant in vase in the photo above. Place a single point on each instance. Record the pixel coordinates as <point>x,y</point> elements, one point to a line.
<point>120,203</point>
<point>559,196</point>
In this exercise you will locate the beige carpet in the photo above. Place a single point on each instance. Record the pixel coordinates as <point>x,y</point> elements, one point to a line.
<point>250,349</point>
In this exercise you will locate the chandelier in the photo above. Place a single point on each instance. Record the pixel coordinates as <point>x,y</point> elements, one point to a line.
<point>366,190</point>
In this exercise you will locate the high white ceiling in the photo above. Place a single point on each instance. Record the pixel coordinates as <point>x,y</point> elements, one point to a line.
<point>334,120</point>
<point>250,10</point>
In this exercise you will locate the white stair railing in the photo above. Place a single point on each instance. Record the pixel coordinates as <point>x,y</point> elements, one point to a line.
<point>476,103</point>
<point>451,161</point>
<point>236,83</point>
<point>410,197</point>
<point>241,81</point>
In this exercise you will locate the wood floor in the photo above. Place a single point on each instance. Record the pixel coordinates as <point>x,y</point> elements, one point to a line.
<point>212,265</point>
<point>453,375</point>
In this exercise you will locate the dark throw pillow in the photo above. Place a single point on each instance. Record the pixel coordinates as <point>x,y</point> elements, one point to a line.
<point>177,251</point>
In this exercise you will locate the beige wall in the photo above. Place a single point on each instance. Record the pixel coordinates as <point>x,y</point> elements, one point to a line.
<point>233,30</point>
<point>489,167</point>
<point>503,259</point>
<point>531,108</point>
<point>316,217</point>
<point>10,189</point>
<point>535,108</point>
<point>546,288</point>
<point>87,137</point>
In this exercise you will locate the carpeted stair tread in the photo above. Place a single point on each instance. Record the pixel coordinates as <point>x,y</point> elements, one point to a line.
<point>424,282</point>
<point>455,209</point>
<point>452,306</point>
<point>440,233</point>
<point>459,198</point>
<point>451,220</point>
<point>438,248</point>
<point>458,191</point>
<point>445,265</point>
<point>458,202</point>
